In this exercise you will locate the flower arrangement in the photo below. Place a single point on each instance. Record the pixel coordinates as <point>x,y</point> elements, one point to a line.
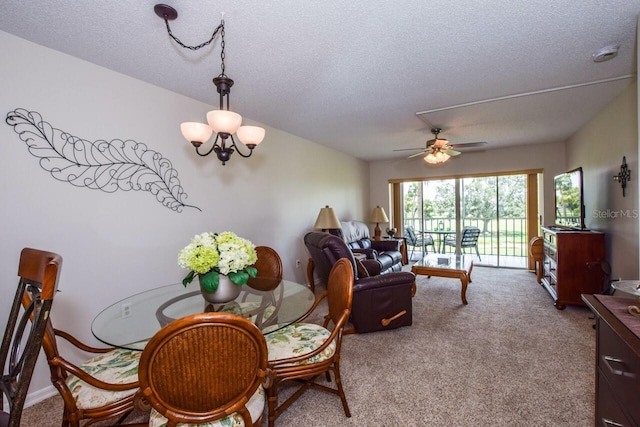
<point>211,254</point>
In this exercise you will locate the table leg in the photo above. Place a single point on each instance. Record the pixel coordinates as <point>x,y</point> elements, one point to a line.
<point>464,279</point>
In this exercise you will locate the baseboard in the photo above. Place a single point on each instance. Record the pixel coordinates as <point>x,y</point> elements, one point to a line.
<point>40,395</point>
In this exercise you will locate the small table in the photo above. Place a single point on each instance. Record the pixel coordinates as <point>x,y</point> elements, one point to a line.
<point>130,323</point>
<point>454,266</point>
<point>442,235</point>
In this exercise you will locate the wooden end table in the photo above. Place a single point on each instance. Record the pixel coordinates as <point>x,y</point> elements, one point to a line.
<point>453,266</point>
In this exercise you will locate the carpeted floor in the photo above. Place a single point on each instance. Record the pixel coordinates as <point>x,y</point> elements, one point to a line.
<point>508,358</point>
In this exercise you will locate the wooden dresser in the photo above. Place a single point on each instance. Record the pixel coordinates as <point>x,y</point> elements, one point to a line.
<point>572,264</point>
<point>617,367</point>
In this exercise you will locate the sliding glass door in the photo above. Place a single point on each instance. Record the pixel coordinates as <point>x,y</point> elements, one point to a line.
<point>497,205</point>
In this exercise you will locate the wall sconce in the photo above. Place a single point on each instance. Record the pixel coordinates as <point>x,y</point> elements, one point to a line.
<point>623,176</point>
<point>378,215</point>
<point>327,220</point>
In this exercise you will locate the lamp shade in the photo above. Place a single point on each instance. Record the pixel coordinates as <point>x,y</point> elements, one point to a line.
<point>250,135</point>
<point>195,132</point>
<point>327,219</point>
<point>378,215</point>
<point>224,121</point>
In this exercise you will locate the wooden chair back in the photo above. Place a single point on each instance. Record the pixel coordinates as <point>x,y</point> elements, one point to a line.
<point>340,291</point>
<point>39,272</point>
<point>203,367</point>
<point>269,266</point>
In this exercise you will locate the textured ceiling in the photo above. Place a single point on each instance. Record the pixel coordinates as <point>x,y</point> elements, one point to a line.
<point>353,75</point>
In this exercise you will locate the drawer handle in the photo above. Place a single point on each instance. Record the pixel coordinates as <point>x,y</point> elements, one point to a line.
<point>608,360</point>
<point>608,422</point>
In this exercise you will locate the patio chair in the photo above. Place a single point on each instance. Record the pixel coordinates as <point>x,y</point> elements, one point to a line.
<point>468,239</point>
<point>414,241</point>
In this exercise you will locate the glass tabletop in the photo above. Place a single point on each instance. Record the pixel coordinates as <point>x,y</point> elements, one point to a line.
<point>131,322</point>
<point>443,261</point>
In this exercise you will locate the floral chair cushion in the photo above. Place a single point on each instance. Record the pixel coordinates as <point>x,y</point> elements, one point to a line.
<point>250,311</point>
<point>117,367</point>
<point>298,339</point>
<point>255,405</point>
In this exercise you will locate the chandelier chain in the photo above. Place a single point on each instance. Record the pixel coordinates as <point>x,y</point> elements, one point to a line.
<point>201,45</point>
<point>222,43</point>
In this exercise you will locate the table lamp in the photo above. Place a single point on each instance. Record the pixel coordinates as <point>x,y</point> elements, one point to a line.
<point>327,220</point>
<point>378,215</point>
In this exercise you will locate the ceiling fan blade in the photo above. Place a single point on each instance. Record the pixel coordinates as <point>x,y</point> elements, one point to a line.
<point>421,153</point>
<point>408,149</point>
<point>470,144</point>
<point>451,152</point>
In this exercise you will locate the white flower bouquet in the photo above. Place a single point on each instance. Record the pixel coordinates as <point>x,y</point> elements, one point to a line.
<point>211,254</point>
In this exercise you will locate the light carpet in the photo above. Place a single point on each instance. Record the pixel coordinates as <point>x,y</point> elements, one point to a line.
<point>508,358</point>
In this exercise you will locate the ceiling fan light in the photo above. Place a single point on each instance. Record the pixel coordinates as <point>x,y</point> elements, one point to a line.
<point>250,135</point>
<point>430,158</point>
<point>224,121</point>
<point>436,157</point>
<point>195,132</point>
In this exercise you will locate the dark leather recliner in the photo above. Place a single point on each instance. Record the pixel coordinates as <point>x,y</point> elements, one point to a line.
<point>386,252</point>
<point>380,302</point>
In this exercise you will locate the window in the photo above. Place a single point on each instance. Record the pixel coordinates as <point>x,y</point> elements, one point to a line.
<point>504,207</point>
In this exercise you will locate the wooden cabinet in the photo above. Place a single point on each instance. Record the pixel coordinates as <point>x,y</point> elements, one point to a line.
<point>572,264</point>
<point>617,361</point>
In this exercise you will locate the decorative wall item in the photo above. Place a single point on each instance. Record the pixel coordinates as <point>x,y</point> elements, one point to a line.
<point>623,176</point>
<point>100,165</point>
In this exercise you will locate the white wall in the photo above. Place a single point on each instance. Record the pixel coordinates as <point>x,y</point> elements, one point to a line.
<point>598,148</point>
<point>549,157</point>
<point>117,244</point>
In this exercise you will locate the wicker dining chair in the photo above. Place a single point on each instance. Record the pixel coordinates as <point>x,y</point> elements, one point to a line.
<point>39,272</point>
<point>203,368</point>
<point>102,388</point>
<point>303,351</point>
<point>265,311</point>
<point>269,266</point>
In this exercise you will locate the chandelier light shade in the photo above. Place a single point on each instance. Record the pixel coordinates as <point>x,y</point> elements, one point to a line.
<point>224,122</point>
<point>250,135</point>
<point>198,132</point>
<point>327,220</point>
<point>378,215</point>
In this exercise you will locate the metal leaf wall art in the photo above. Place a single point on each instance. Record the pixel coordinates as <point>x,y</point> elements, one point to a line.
<point>108,166</point>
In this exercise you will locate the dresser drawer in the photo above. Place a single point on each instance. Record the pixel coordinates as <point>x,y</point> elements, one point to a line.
<point>619,365</point>
<point>609,413</point>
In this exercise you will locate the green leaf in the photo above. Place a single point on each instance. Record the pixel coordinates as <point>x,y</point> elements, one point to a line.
<point>188,278</point>
<point>209,281</point>
<point>252,271</point>
<point>239,277</point>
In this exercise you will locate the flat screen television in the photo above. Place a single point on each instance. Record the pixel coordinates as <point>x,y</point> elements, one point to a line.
<point>569,199</point>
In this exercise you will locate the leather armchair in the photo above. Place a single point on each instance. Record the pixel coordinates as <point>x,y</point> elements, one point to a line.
<point>380,301</point>
<point>386,252</point>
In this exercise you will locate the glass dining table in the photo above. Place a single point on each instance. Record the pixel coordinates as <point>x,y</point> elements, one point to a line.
<point>131,322</point>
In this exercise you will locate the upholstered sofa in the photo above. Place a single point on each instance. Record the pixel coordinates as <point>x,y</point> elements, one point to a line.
<point>380,302</point>
<point>386,252</point>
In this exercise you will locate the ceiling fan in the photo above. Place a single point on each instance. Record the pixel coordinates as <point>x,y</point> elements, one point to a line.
<point>438,150</point>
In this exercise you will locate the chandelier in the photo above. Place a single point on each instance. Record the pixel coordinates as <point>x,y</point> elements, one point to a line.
<point>223,121</point>
<point>436,156</point>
